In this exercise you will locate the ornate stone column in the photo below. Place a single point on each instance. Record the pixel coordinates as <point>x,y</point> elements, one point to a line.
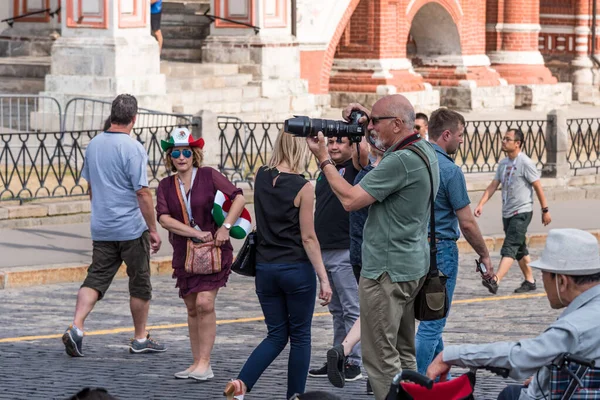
<point>518,60</point>
<point>106,49</point>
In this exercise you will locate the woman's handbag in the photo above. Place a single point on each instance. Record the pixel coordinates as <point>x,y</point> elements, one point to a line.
<point>245,262</point>
<point>431,302</point>
<point>201,258</point>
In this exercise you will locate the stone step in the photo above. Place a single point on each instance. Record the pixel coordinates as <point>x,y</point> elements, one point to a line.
<point>207,82</point>
<point>179,54</point>
<point>181,31</point>
<point>182,43</point>
<point>25,46</point>
<point>21,85</point>
<point>302,105</point>
<point>177,69</point>
<point>24,67</point>
<point>245,94</point>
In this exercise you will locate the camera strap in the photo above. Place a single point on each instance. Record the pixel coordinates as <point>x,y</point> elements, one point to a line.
<point>433,271</point>
<point>415,137</point>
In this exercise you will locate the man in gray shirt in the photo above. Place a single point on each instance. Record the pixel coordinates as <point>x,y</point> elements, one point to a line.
<point>570,266</point>
<point>123,225</point>
<point>519,178</point>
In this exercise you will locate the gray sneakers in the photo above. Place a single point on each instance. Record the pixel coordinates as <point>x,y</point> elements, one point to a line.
<point>148,346</point>
<point>73,342</point>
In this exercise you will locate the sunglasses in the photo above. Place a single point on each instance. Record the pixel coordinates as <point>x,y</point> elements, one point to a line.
<point>376,120</point>
<point>177,153</point>
<point>417,127</point>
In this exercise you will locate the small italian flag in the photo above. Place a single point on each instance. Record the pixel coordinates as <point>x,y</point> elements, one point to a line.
<point>221,206</point>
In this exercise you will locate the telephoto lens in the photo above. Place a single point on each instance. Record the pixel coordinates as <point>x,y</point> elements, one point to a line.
<point>304,126</point>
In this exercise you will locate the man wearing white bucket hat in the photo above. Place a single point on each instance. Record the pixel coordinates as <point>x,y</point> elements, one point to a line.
<point>570,266</point>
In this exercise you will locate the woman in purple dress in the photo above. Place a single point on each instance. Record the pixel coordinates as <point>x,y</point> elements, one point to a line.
<point>197,186</point>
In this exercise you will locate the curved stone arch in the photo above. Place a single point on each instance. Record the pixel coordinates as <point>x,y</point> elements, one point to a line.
<point>330,52</point>
<point>452,7</point>
<point>430,43</point>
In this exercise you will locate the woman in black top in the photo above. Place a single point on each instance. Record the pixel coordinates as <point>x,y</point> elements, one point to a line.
<point>288,255</point>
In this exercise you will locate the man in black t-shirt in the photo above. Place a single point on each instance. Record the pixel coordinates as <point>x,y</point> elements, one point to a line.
<point>332,227</point>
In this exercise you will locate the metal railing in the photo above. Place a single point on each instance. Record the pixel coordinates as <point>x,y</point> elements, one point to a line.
<point>10,21</point>
<point>246,146</point>
<point>482,146</point>
<point>49,164</point>
<point>212,19</point>
<point>82,113</point>
<point>584,144</point>
<point>29,113</point>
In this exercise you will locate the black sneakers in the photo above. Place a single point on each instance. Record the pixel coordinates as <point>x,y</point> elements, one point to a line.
<point>526,286</point>
<point>369,388</point>
<point>318,372</point>
<point>335,366</point>
<point>352,372</point>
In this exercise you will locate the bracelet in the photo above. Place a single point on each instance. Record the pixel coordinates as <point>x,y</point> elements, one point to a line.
<point>545,210</point>
<point>325,163</point>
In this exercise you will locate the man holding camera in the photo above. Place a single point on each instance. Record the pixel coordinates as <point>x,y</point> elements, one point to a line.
<point>452,209</point>
<point>395,247</point>
<point>332,227</point>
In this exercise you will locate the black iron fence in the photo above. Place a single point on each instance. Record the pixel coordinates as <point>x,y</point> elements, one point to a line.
<point>48,164</point>
<point>584,149</point>
<point>482,146</point>
<point>245,146</point>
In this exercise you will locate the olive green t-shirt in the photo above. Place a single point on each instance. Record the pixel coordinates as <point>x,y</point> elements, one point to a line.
<point>395,234</point>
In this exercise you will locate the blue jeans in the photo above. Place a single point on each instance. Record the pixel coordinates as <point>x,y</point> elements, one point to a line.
<point>428,341</point>
<point>286,293</point>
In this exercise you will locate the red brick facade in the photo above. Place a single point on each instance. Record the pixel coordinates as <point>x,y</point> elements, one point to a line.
<point>517,37</point>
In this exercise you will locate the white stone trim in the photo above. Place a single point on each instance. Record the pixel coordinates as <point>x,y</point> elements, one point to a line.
<point>516,57</point>
<point>581,40</point>
<point>456,60</point>
<point>412,3</point>
<point>581,48</point>
<point>583,30</point>
<point>313,46</point>
<point>384,64</point>
<point>560,29</point>
<point>525,28</point>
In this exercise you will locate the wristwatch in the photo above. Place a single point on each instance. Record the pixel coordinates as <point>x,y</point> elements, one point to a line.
<point>545,210</point>
<point>325,163</point>
<point>227,226</point>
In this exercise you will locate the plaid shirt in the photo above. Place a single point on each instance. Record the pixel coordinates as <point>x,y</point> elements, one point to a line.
<point>575,332</point>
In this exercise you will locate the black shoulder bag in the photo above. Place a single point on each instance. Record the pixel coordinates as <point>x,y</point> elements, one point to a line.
<point>431,302</point>
<point>245,261</point>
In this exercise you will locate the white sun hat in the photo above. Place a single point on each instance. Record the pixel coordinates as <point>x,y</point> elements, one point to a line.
<point>570,252</point>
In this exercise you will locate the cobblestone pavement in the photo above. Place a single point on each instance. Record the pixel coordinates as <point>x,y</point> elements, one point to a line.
<point>40,369</point>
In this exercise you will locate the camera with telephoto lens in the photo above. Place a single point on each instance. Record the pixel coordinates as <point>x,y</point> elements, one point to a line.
<point>304,127</point>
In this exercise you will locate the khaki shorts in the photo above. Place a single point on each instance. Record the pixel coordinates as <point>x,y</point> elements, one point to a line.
<point>108,256</point>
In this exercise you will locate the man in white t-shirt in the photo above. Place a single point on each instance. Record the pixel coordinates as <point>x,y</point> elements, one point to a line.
<point>123,226</point>
<point>519,178</point>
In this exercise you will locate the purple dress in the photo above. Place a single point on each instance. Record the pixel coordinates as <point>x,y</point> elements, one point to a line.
<point>204,187</point>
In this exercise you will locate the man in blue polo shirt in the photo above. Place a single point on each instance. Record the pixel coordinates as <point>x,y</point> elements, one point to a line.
<point>452,209</point>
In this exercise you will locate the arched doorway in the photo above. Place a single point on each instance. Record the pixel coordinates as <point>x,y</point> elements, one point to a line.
<point>433,38</point>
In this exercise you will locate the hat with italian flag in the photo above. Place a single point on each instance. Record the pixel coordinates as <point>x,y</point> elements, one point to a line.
<point>221,207</point>
<point>181,137</point>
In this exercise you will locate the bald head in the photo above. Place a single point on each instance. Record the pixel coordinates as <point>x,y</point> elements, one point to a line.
<point>398,105</point>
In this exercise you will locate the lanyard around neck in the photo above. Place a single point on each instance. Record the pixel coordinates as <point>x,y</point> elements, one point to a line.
<point>506,181</point>
<point>187,198</point>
